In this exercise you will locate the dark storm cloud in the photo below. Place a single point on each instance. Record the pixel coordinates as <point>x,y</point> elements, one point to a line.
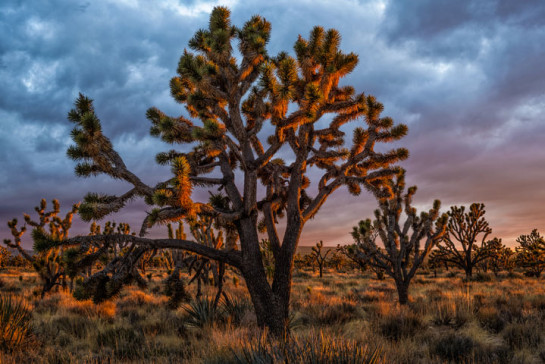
<point>467,77</point>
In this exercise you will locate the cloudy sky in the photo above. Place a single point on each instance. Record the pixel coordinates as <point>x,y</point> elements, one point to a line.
<point>468,77</point>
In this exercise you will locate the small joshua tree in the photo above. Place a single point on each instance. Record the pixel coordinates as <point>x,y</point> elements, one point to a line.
<point>531,253</point>
<point>50,264</point>
<point>318,257</point>
<point>465,229</point>
<point>499,256</point>
<point>403,253</point>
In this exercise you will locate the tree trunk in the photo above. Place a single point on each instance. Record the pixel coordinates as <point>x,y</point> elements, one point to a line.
<point>321,270</point>
<point>271,308</point>
<point>402,292</point>
<point>469,271</point>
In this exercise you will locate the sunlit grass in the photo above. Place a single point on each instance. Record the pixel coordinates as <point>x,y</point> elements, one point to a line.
<point>485,321</point>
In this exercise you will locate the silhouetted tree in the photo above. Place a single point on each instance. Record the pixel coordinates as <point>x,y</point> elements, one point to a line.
<point>465,229</point>
<point>237,98</point>
<point>531,253</point>
<point>318,257</point>
<point>499,256</point>
<point>403,253</point>
<point>51,263</point>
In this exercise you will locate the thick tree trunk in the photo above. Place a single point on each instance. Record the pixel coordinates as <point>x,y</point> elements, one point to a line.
<point>321,270</point>
<point>402,292</point>
<point>271,309</point>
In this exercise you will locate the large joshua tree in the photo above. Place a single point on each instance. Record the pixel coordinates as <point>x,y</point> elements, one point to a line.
<point>465,245</point>
<point>237,99</point>
<point>403,251</point>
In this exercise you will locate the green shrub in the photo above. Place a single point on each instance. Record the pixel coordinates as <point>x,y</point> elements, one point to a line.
<point>520,335</point>
<point>201,313</point>
<point>73,325</point>
<point>400,325</point>
<point>490,319</point>
<point>481,277</point>
<point>453,314</point>
<point>127,343</point>
<point>14,323</point>
<point>235,308</point>
<point>454,347</point>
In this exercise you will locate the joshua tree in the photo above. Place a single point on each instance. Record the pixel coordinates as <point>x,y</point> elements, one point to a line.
<point>318,257</point>
<point>237,98</point>
<point>5,256</point>
<point>531,253</point>
<point>403,253</point>
<point>464,229</point>
<point>499,256</point>
<point>50,263</point>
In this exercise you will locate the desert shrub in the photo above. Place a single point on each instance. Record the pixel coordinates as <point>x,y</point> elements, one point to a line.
<point>435,294</point>
<point>235,308</point>
<point>452,274</point>
<point>400,325</point>
<point>454,347</point>
<point>493,354</point>
<point>336,314</point>
<point>482,277</point>
<point>126,342</point>
<point>175,291</point>
<point>451,313</point>
<point>15,327</point>
<point>317,349</point>
<point>490,319</point>
<point>538,302</point>
<point>201,313</point>
<point>520,335</point>
<point>73,325</point>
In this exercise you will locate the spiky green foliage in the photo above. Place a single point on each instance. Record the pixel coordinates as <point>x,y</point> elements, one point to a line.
<point>201,312</point>
<point>15,325</point>
<point>402,253</point>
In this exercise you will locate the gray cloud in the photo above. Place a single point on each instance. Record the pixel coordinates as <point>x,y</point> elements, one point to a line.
<point>467,77</point>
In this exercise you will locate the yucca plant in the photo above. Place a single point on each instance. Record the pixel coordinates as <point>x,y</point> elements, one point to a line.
<point>316,349</point>
<point>235,308</point>
<point>202,312</point>
<point>15,318</point>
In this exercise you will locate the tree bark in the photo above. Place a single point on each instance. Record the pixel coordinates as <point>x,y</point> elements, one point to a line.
<point>402,292</point>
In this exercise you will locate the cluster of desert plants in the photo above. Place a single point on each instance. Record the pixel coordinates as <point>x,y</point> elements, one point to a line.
<point>235,93</point>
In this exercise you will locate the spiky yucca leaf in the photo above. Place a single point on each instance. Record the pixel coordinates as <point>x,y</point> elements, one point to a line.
<point>15,326</point>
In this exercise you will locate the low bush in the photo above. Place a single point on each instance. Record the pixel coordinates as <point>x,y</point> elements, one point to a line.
<point>399,325</point>
<point>454,347</point>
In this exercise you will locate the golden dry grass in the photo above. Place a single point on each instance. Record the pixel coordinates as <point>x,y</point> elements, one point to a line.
<point>448,320</point>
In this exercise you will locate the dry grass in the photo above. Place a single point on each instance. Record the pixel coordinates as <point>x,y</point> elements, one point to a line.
<point>493,320</point>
